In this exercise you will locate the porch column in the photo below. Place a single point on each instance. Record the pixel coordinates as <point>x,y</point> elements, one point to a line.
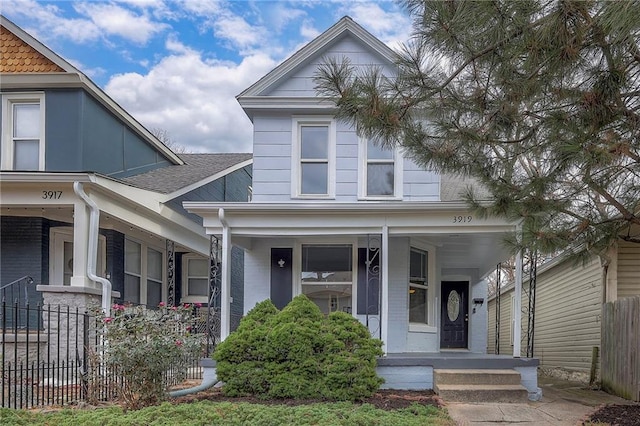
<point>384,280</point>
<point>80,245</point>
<point>225,284</point>
<point>517,307</point>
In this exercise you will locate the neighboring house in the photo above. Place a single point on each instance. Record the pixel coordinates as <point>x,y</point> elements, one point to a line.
<point>358,228</point>
<point>60,129</point>
<point>568,309</point>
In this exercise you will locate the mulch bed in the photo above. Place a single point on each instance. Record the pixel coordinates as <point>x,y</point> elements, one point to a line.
<point>383,399</point>
<point>617,415</point>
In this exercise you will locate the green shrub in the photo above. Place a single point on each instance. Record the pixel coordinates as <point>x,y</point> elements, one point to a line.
<point>299,353</point>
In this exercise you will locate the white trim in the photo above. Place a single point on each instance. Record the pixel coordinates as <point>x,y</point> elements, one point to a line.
<point>346,24</point>
<point>209,179</point>
<point>185,278</point>
<point>517,318</point>
<point>363,163</point>
<point>144,247</point>
<point>297,123</point>
<point>297,264</point>
<point>8,146</point>
<point>58,235</point>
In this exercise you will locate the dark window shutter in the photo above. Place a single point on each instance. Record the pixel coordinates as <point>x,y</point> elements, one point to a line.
<point>368,292</point>
<point>281,276</point>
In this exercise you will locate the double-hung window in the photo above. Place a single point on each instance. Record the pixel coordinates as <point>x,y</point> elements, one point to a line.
<point>314,152</point>
<point>195,278</point>
<point>418,287</point>
<point>380,174</point>
<point>143,274</point>
<point>23,131</point>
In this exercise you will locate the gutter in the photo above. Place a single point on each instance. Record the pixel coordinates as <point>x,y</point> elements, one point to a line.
<point>94,222</point>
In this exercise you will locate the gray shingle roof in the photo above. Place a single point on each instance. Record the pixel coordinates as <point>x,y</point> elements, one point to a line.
<point>196,168</point>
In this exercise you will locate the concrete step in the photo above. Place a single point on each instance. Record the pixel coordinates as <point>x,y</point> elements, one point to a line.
<point>483,393</point>
<point>476,377</point>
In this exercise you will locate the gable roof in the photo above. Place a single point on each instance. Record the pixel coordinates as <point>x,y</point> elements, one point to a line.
<point>197,170</point>
<point>60,73</point>
<point>345,25</point>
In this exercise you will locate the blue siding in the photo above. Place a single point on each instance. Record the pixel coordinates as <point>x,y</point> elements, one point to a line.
<point>81,135</point>
<point>232,187</point>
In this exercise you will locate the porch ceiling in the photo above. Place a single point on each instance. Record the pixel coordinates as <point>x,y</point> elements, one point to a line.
<point>482,250</point>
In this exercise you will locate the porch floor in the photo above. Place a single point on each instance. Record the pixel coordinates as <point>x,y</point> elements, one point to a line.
<point>455,359</point>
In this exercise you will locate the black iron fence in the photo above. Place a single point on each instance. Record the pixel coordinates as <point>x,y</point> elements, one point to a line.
<point>51,355</point>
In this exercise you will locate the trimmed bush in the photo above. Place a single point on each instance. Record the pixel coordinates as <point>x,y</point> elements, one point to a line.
<point>299,353</point>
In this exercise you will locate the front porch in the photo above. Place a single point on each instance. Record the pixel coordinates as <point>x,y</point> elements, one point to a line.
<point>415,370</point>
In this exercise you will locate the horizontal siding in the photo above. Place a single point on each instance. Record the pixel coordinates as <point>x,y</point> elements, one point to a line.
<point>628,269</point>
<point>301,82</point>
<point>567,316</point>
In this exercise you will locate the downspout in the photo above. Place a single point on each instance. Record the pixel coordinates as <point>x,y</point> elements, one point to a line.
<point>94,222</point>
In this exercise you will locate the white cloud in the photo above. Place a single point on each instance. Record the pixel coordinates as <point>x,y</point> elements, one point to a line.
<point>392,26</point>
<point>308,31</point>
<point>193,99</point>
<point>116,20</point>
<point>239,32</point>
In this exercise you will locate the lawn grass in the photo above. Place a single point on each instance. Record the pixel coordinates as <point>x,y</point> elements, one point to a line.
<point>229,413</point>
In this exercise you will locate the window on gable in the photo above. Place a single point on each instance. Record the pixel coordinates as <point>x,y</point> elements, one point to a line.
<point>418,287</point>
<point>313,158</point>
<point>23,132</point>
<point>380,170</point>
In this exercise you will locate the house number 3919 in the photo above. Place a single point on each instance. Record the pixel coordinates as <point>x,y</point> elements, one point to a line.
<point>462,219</point>
<point>51,195</point>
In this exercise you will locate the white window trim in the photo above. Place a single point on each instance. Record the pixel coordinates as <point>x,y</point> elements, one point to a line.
<point>398,181</point>
<point>431,326</point>
<point>297,266</point>
<point>57,237</point>
<point>296,183</point>
<point>185,279</point>
<point>144,246</point>
<point>8,100</point>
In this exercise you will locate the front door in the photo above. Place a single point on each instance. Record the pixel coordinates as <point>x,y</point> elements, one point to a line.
<point>455,316</point>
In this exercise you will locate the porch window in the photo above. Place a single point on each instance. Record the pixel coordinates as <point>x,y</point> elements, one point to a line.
<point>195,278</point>
<point>154,277</point>
<point>418,287</point>
<point>23,132</point>
<point>143,274</point>
<point>327,276</point>
<point>314,152</point>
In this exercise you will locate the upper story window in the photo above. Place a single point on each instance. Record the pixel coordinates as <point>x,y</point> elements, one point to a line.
<point>380,174</point>
<point>313,170</point>
<point>23,131</point>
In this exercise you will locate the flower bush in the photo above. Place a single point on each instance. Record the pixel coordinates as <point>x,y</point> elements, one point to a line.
<point>148,350</point>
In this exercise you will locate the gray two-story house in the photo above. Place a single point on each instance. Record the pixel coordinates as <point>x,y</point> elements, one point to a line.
<point>91,201</point>
<point>358,228</point>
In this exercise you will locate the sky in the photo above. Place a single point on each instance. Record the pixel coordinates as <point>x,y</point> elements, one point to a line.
<point>176,66</point>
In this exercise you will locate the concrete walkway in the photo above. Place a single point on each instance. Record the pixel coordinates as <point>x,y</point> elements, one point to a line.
<point>563,403</point>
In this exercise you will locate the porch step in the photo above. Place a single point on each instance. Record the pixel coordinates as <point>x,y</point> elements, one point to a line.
<point>479,385</point>
<point>482,393</point>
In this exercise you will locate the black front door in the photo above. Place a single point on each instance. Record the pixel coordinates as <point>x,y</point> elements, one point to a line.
<point>454,312</point>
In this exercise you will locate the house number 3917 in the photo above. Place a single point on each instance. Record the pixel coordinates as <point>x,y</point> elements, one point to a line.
<point>462,219</point>
<point>51,195</point>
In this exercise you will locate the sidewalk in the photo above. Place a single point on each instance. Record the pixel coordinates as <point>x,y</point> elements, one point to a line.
<point>563,403</point>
